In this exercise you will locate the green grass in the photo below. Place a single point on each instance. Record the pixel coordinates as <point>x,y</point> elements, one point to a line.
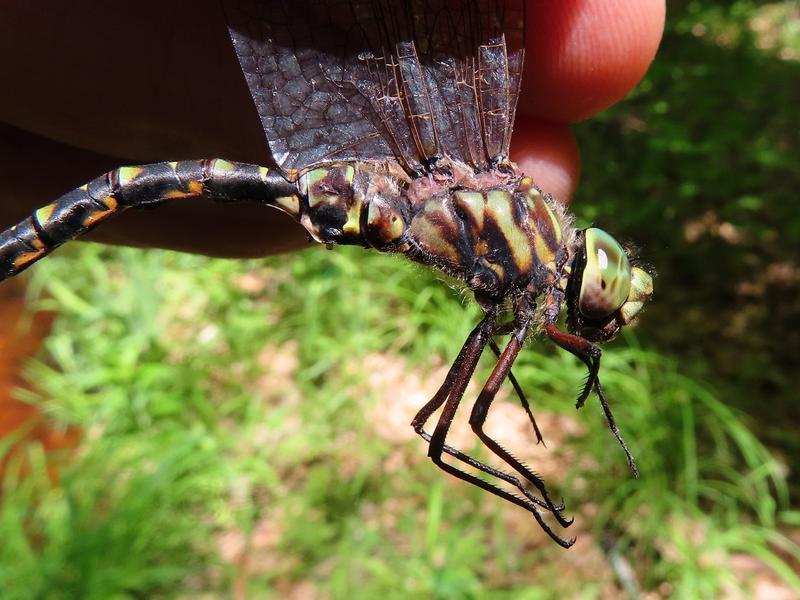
<point>123,519</point>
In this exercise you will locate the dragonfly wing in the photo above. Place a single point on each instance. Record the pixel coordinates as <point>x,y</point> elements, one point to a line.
<point>406,80</point>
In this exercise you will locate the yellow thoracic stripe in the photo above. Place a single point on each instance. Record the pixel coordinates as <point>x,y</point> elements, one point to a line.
<point>500,207</point>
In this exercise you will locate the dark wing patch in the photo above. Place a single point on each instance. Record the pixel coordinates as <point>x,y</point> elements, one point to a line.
<point>408,80</point>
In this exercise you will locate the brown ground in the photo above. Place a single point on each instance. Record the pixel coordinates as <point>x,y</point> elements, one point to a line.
<point>21,334</point>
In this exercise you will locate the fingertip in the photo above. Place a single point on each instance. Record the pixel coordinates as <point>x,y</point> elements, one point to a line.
<point>549,153</point>
<point>582,56</point>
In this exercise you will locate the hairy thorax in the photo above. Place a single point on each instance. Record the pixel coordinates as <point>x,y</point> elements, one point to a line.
<point>495,230</point>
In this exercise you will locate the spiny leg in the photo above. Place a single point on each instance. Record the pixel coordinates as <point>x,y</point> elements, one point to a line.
<point>585,350</point>
<point>521,395</point>
<point>466,365</point>
<point>481,408</point>
<point>430,407</point>
<point>484,468</point>
<point>507,329</point>
<point>437,439</point>
<point>612,424</point>
<point>436,402</point>
<point>590,354</point>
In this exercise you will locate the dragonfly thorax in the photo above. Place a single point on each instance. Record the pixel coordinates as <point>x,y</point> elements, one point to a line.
<point>496,238</point>
<point>496,231</point>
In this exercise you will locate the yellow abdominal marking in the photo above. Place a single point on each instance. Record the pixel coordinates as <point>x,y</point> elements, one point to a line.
<point>317,195</point>
<point>27,258</point>
<point>128,174</point>
<point>96,216</point>
<point>289,204</point>
<point>222,167</point>
<point>352,225</point>
<point>43,214</point>
<point>174,194</point>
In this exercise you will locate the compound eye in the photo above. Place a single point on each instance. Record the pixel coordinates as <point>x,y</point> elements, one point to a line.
<point>606,280</point>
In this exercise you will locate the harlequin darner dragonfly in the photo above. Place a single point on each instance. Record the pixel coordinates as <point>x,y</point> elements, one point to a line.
<point>389,124</point>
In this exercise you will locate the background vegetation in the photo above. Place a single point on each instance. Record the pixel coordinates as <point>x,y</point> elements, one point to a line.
<point>245,424</point>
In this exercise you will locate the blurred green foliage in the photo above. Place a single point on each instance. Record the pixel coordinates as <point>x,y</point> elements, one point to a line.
<point>238,431</point>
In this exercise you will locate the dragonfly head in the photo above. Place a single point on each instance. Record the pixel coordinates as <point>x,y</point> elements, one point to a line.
<point>607,289</point>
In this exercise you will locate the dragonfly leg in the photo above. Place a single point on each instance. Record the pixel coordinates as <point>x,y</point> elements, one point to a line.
<point>612,424</point>
<point>588,352</point>
<point>450,394</point>
<point>444,390</point>
<point>436,402</point>
<point>521,395</point>
<point>481,409</point>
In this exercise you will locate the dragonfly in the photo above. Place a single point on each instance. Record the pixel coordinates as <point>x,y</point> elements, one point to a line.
<point>389,126</point>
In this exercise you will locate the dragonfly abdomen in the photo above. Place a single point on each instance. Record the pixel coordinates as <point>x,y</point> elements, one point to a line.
<point>82,209</point>
<point>355,204</point>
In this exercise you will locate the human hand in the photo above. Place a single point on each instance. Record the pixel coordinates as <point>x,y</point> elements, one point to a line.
<point>99,86</point>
